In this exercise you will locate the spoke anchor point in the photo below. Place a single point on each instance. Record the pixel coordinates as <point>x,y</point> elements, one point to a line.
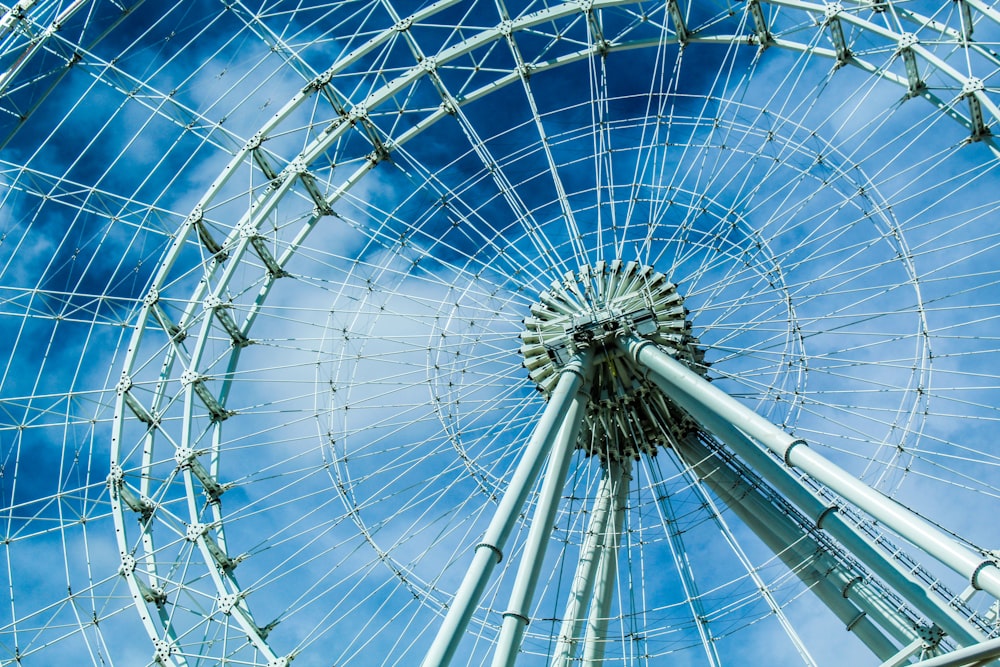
<point>590,309</point>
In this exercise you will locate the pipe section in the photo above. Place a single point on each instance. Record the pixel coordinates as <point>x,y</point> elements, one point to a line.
<point>489,551</point>
<point>710,405</point>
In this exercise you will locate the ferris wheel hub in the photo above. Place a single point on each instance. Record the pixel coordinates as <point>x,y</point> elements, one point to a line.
<point>589,309</point>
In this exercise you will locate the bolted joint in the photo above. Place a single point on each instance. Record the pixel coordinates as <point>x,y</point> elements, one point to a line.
<point>846,590</point>
<point>827,511</point>
<point>636,346</point>
<point>496,550</point>
<point>116,477</point>
<point>162,650</point>
<point>154,595</point>
<point>322,80</point>
<point>854,621</point>
<point>907,41</point>
<point>248,231</point>
<point>992,561</point>
<point>194,531</point>
<point>151,298</point>
<point>228,602</point>
<point>128,565</point>
<point>513,614</point>
<point>190,377</point>
<point>254,142</point>
<point>576,366</point>
<point>124,384</point>
<point>931,635</point>
<point>972,86</point>
<point>213,302</point>
<point>787,455</point>
<point>184,456</point>
<point>358,112</point>
<point>197,215</point>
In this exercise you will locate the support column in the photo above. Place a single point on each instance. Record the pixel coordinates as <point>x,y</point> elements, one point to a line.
<point>818,570</point>
<point>516,619</point>
<point>596,639</point>
<point>489,551</point>
<point>717,410</point>
<point>890,571</point>
<point>758,581</point>
<point>582,588</point>
<point>965,657</point>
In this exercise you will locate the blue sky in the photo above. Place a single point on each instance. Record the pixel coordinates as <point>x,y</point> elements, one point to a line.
<point>832,239</point>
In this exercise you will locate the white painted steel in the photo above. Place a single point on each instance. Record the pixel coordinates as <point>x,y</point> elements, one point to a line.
<point>826,517</point>
<point>395,87</point>
<point>489,551</point>
<point>581,592</point>
<point>826,578</point>
<point>695,394</point>
<point>517,616</point>
<point>905,654</point>
<point>596,637</point>
<point>981,654</point>
<point>152,215</point>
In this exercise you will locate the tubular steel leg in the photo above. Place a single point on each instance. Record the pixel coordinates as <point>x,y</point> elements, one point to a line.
<point>489,551</point>
<point>711,406</point>
<point>582,588</point>
<point>515,619</point>
<point>827,580</point>
<point>683,563</point>
<point>971,655</point>
<point>765,592</point>
<point>596,639</point>
<point>846,534</point>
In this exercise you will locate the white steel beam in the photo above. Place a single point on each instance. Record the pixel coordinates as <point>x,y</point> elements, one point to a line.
<point>707,403</point>
<point>905,653</point>
<point>596,639</point>
<point>825,516</point>
<point>971,655</point>
<point>836,586</point>
<point>516,618</point>
<point>489,551</point>
<point>582,588</point>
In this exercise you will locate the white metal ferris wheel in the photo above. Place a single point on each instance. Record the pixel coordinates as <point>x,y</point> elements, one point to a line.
<point>601,332</point>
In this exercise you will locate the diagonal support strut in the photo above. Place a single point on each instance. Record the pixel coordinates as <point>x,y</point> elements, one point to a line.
<point>489,551</point>
<point>718,411</point>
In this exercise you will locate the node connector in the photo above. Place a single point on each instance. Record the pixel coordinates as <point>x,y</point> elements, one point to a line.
<point>589,309</point>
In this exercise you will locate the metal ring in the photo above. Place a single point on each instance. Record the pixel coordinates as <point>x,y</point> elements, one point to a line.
<point>492,548</point>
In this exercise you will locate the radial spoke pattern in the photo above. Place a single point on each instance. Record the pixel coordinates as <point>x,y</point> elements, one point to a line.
<point>286,288</point>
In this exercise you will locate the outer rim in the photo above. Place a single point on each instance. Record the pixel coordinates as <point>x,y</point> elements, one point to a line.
<point>239,244</point>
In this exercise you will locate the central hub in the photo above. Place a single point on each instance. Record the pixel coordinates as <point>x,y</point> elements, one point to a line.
<point>588,309</point>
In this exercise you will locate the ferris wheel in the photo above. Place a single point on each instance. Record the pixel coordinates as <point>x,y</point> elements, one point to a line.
<point>600,332</point>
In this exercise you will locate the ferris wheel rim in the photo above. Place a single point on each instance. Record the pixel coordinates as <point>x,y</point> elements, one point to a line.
<point>204,312</point>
